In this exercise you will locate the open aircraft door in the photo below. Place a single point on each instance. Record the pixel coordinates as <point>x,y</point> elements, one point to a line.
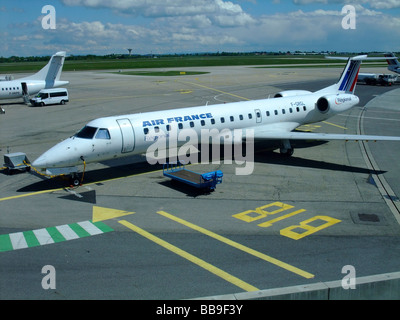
<point>25,92</point>
<point>128,135</point>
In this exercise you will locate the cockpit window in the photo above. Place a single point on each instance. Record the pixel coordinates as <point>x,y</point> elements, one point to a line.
<point>103,134</point>
<point>86,132</point>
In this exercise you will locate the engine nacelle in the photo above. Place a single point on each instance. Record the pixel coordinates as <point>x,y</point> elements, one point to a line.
<point>336,103</point>
<point>291,93</point>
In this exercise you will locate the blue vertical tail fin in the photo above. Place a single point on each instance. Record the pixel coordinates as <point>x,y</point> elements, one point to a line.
<point>348,79</point>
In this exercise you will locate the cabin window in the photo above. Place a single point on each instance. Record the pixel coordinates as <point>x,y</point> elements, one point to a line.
<point>222,120</point>
<point>268,114</point>
<point>290,110</point>
<point>146,130</point>
<point>297,109</point>
<point>168,127</point>
<point>180,125</point>
<point>203,123</point>
<point>283,111</point>
<point>86,132</point>
<point>103,134</point>
<point>276,112</point>
<point>212,121</point>
<point>191,124</point>
<point>240,117</point>
<point>232,119</point>
<point>304,108</point>
<point>250,116</point>
<point>156,129</point>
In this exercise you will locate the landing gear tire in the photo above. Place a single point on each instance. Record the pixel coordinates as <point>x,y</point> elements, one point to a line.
<point>286,152</point>
<point>75,180</point>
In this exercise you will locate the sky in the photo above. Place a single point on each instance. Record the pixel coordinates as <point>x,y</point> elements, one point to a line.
<point>102,27</point>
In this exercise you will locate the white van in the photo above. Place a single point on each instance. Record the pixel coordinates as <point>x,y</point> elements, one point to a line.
<point>50,96</point>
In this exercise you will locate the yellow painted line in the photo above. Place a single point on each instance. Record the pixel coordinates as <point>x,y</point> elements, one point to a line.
<point>30,194</point>
<point>335,125</point>
<point>201,263</point>
<point>239,246</point>
<point>220,91</point>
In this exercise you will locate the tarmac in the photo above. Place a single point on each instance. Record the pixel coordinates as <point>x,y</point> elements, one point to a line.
<point>136,235</point>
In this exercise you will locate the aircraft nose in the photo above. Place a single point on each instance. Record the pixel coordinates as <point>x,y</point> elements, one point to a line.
<point>64,154</point>
<point>40,162</point>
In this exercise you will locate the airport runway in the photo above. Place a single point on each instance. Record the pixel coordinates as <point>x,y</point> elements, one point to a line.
<point>129,233</point>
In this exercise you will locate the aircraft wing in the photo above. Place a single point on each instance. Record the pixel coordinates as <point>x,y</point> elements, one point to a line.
<point>266,133</point>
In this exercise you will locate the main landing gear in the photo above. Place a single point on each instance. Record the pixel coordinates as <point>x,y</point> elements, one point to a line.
<point>286,148</point>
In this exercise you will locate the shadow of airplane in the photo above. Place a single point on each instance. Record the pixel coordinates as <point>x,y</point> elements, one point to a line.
<point>116,170</point>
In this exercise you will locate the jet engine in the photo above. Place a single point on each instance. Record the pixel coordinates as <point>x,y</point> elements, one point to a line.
<point>336,103</point>
<point>291,93</point>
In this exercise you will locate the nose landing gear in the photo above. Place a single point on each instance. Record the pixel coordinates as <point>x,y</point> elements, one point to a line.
<point>75,179</point>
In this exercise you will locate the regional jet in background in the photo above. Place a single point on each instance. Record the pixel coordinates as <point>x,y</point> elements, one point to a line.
<point>267,119</point>
<point>393,62</point>
<point>47,77</point>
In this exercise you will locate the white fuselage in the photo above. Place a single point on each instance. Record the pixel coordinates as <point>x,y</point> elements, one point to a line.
<point>154,132</point>
<point>14,89</point>
<point>47,77</point>
<point>135,133</point>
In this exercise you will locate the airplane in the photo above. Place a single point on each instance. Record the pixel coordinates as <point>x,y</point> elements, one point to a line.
<point>393,62</point>
<point>47,77</point>
<point>267,119</point>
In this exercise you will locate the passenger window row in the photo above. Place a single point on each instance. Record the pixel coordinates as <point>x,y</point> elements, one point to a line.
<point>268,113</point>
<point>202,123</point>
<point>222,119</point>
<point>11,88</point>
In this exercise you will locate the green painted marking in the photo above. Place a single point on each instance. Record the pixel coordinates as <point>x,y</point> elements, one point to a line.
<point>31,239</point>
<point>102,226</point>
<point>55,234</point>
<point>79,230</point>
<point>5,243</point>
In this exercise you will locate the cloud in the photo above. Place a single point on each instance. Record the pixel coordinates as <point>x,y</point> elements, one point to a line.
<point>174,26</point>
<point>221,13</point>
<point>388,4</point>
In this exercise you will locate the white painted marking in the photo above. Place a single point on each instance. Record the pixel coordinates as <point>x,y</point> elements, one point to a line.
<point>18,240</point>
<point>43,236</point>
<point>67,232</point>
<point>90,227</point>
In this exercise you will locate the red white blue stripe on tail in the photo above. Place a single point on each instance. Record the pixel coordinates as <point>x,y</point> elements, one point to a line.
<point>393,62</point>
<point>348,79</point>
